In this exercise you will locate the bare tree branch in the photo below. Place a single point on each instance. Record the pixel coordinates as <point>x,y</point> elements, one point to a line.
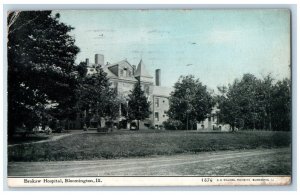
<point>13,20</point>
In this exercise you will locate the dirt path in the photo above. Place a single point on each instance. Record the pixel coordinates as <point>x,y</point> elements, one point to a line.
<point>184,164</point>
<point>51,138</point>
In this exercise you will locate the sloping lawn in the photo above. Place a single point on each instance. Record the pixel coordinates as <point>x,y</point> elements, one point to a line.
<point>103,146</point>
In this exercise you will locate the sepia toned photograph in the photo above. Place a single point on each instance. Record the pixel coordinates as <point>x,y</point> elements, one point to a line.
<point>149,97</point>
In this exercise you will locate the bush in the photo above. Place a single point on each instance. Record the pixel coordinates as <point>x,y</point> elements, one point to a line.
<point>102,129</point>
<point>172,124</point>
<point>108,124</point>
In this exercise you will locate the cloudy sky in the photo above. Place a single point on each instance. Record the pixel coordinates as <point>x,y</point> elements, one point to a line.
<point>216,46</point>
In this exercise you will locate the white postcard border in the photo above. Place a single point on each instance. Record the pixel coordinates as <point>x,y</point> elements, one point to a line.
<point>148,181</point>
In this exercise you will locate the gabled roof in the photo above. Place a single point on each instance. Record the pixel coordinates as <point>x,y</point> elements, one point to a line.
<point>109,73</point>
<point>119,63</point>
<point>141,71</point>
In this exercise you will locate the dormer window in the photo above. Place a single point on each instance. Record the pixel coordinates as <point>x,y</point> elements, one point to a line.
<point>125,72</point>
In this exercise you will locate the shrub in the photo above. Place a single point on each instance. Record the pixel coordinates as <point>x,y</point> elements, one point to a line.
<point>172,124</point>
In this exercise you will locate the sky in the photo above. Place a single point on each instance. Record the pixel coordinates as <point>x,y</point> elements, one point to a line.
<point>216,46</point>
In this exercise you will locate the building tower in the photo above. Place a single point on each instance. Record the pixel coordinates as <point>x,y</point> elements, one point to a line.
<point>142,74</point>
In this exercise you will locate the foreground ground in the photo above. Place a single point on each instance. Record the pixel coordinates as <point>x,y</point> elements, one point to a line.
<point>239,162</point>
<point>126,144</point>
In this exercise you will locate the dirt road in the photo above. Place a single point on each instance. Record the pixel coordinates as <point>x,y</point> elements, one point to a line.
<point>241,162</point>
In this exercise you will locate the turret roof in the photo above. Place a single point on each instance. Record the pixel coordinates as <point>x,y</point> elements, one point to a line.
<point>141,71</point>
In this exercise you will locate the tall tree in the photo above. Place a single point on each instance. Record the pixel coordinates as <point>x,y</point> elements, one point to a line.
<point>41,56</point>
<point>281,105</point>
<point>238,105</point>
<point>264,100</point>
<point>138,106</point>
<point>190,102</point>
<point>82,69</point>
<point>96,98</point>
<point>228,109</point>
<point>252,103</point>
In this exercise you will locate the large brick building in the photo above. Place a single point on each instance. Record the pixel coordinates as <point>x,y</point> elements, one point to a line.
<point>123,77</point>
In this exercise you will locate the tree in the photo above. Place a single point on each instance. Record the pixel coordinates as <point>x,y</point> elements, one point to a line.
<point>281,105</point>
<point>96,98</point>
<point>82,69</point>
<point>227,113</point>
<point>252,103</point>
<point>264,100</point>
<point>228,105</point>
<point>238,105</point>
<point>138,106</point>
<point>190,102</point>
<point>41,57</point>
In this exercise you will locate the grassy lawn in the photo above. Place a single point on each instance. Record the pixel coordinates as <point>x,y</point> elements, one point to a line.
<point>138,144</point>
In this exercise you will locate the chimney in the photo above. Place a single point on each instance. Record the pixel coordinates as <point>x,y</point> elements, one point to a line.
<point>99,59</point>
<point>157,77</point>
<point>134,68</point>
<point>87,61</point>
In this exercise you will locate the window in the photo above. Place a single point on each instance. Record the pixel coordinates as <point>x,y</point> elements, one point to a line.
<point>157,102</point>
<point>156,116</point>
<point>129,73</point>
<point>121,73</point>
<point>115,85</point>
<point>125,72</point>
<point>146,89</point>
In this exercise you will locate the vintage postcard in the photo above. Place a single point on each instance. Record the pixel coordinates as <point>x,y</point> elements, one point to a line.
<point>149,97</point>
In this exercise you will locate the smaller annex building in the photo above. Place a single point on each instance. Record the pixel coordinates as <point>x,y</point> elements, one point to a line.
<point>212,122</point>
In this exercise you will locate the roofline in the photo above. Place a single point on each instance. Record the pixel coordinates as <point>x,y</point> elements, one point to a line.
<point>121,79</point>
<point>144,76</point>
<point>117,63</point>
<point>154,95</point>
<point>130,81</point>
